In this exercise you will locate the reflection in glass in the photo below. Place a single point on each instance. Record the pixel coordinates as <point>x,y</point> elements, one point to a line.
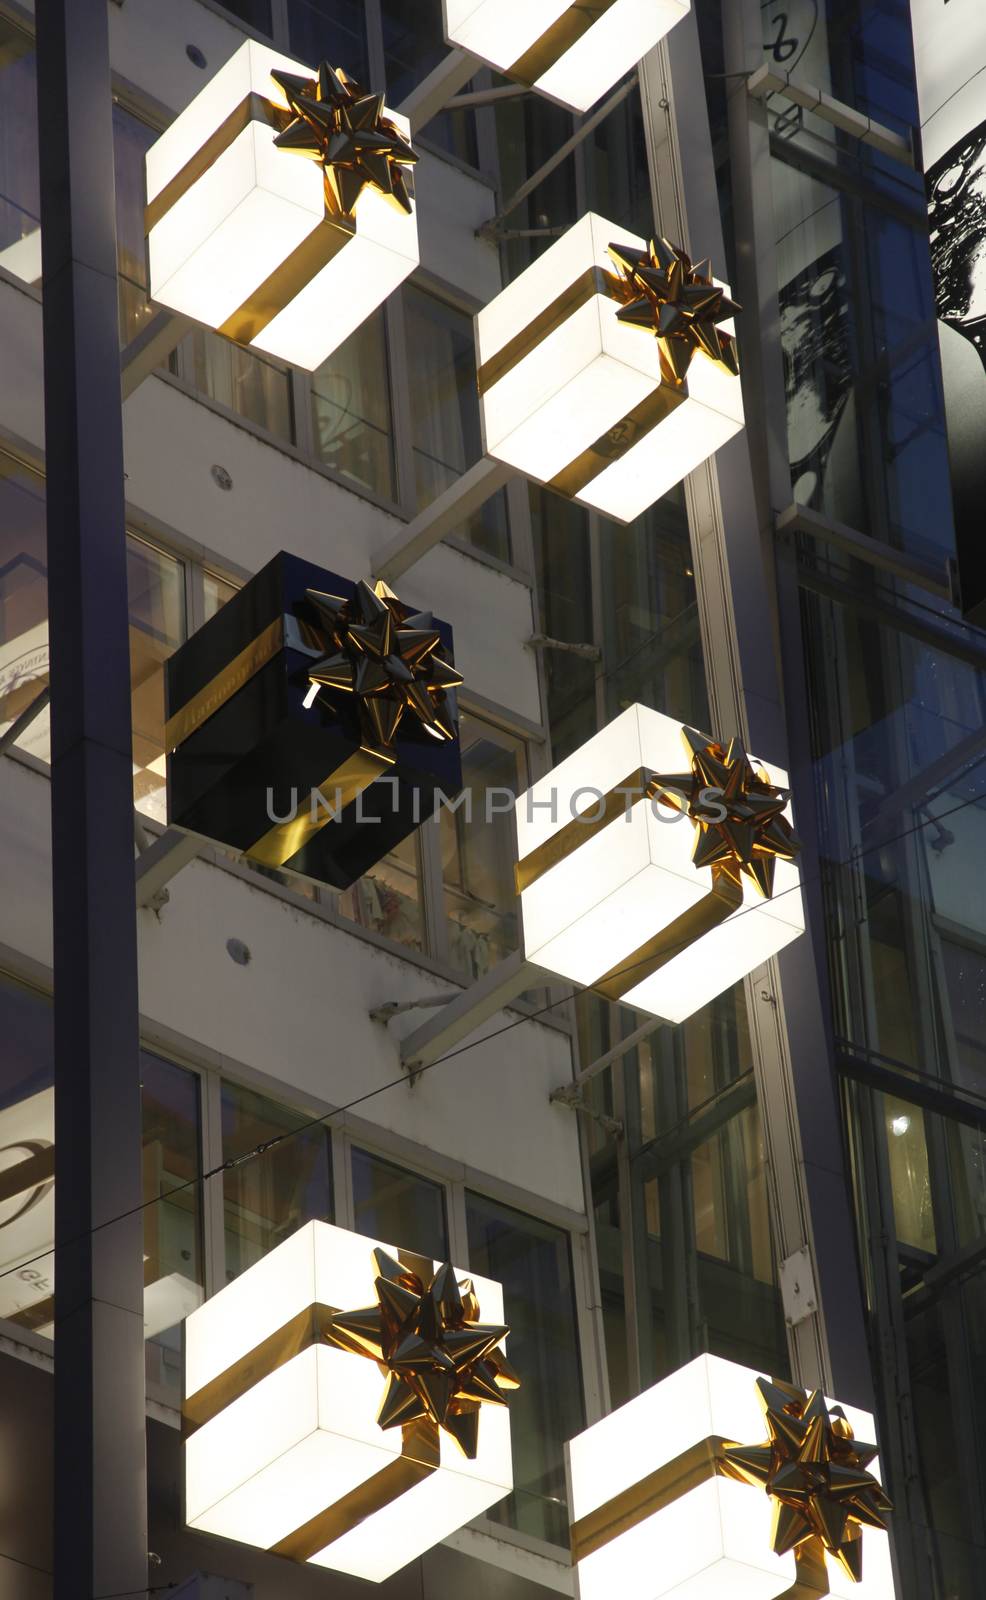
<point>23,602</point>
<point>397,1207</point>
<point>173,1273</point>
<point>156,584</point>
<point>268,1199</point>
<point>387,898</point>
<point>131,139</point>
<point>532,1260</point>
<point>479,850</point>
<point>445,413</point>
<point>351,413</point>
<point>27,1148</point>
<point>216,592</point>
<point>562,563</point>
<point>20,200</point>
<point>251,385</point>
<point>907,1153</point>
<point>329,30</point>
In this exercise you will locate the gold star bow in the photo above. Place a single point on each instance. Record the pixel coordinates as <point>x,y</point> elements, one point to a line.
<point>679,304</point>
<point>391,657</point>
<point>338,124</point>
<point>443,1363</point>
<point>815,1471</point>
<point>754,834</point>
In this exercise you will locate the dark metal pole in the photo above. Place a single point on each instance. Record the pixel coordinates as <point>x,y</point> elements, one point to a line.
<point>100,1472</point>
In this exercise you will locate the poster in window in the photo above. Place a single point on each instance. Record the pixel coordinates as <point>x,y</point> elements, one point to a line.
<point>950,58</point>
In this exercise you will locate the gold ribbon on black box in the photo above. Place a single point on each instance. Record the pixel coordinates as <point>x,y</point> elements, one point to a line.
<point>371,646</point>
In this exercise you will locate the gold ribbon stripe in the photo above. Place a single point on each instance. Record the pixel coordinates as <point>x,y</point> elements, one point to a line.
<point>639,785</point>
<point>594,280</point>
<point>252,108</point>
<point>224,685</point>
<point>553,43</point>
<point>723,899</point>
<point>420,1456</point>
<point>618,440</point>
<point>328,237</point>
<point>288,1341</point>
<point>659,1489</point>
<point>285,839</point>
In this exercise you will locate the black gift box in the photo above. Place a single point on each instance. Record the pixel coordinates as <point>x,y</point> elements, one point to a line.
<point>245,754</point>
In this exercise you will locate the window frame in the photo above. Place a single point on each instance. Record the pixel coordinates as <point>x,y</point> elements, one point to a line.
<point>344,1133</point>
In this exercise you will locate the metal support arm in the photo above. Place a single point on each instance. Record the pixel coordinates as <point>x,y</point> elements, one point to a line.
<point>158,864</point>
<point>442,517</point>
<point>152,346</point>
<point>470,1009</point>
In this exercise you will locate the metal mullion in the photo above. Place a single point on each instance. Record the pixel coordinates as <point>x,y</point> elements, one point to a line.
<point>213,1197</point>
<point>431,879</point>
<point>455,1215</point>
<point>400,404</point>
<point>301,411</point>
<point>279,24</point>
<point>374,47</point>
<point>342,1177</point>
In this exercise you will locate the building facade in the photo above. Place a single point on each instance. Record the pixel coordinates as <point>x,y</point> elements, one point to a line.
<point>795,1177</point>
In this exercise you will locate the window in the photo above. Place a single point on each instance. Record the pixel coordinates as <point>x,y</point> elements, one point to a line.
<point>445,428</point>
<point>255,13</point>
<point>387,898</point>
<point>131,140</point>
<point>156,584</point>
<point>352,425</point>
<point>479,850</point>
<point>329,30</point>
<point>23,601</point>
<point>173,1265</point>
<point>399,1207</point>
<point>20,199</point>
<point>249,385</point>
<point>532,1260</point>
<point>268,1199</point>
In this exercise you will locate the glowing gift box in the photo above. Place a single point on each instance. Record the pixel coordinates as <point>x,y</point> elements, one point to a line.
<point>284,1450</point>
<point>662,1511</point>
<point>286,255</point>
<point>577,390</point>
<point>311,723</point>
<point>611,896</point>
<point>571,51</point>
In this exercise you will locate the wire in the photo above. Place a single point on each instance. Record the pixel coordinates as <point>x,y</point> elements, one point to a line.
<point>530,1016</point>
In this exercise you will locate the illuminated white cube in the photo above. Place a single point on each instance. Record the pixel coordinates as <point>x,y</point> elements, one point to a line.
<point>575,399</point>
<point>238,235</point>
<point>573,53</point>
<point>300,1446</point>
<point>636,1535</point>
<point>595,898</point>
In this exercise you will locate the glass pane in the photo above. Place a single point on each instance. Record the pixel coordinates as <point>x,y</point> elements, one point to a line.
<point>413,45</point>
<point>907,1152</point>
<point>329,30</point>
<point>398,1208</point>
<point>532,1260</point>
<point>446,437</point>
<point>20,200</point>
<point>131,139</point>
<point>156,585</point>
<point>23,602</point>
<point>255,13</point>
<point>351,414</point>
<point>173,1275</point>
<point>27,1168</point>
<point>216,592</point>
<point>250,385</point>
<point>479,850</point>
<point>387,899</point>
<point>560,531</point>
<point>268,1199</point>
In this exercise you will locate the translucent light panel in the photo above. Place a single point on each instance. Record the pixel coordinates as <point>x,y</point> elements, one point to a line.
<point>714,1540</point>
<point>623,885</point>
<point>581,379</point>
<point>251,208</point>
<point>503,32</point>
<point>306,1434</point>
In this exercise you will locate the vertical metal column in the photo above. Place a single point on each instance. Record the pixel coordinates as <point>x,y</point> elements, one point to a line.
<point>745,634</point>
<point>100,1472</point>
